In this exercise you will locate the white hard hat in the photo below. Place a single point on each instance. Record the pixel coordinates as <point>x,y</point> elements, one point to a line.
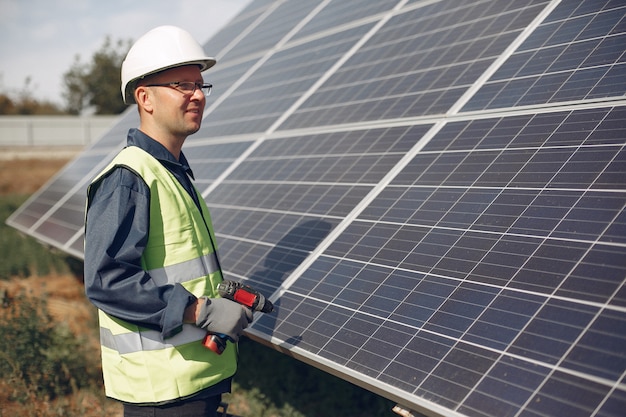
<point>161,48</point>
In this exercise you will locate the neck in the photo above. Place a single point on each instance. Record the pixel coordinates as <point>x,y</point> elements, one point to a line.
<point>171,143</point>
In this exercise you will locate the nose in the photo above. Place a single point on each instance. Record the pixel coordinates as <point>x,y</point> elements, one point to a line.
<point>198,94</point>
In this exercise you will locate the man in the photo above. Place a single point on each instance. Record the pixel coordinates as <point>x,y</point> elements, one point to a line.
<point>151,265</point>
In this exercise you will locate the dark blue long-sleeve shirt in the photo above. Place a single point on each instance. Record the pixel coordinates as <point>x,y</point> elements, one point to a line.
<point>116,233</point>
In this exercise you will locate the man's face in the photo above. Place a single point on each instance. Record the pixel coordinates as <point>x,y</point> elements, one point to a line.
<point>177,113</point>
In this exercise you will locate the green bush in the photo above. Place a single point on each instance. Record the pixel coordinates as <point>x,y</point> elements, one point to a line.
<point>38,357</point>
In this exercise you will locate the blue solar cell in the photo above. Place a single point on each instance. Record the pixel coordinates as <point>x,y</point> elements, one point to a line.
<point>562,60</point>
<point>452,380</point>
<point>576,397</point>
<point>552,331</point>
<point>505,388</point>
<point>596,352</point>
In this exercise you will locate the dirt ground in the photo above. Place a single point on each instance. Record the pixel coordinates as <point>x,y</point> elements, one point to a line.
<point>25,170</point>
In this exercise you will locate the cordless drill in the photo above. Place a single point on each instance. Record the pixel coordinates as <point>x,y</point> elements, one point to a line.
<point>244,295</point>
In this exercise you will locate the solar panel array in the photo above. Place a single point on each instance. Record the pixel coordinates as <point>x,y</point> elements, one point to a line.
<point>432,191</point>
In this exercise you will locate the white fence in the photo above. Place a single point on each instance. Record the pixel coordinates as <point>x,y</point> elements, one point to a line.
<point>53,130</point>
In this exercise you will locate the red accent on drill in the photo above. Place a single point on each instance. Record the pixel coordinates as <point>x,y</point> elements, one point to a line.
<point>244,295</point>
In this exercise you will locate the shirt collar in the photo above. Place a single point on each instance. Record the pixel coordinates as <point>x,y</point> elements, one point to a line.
<point>137,138</point>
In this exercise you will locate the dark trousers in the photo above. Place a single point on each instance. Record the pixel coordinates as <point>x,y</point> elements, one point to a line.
<point>206,407</point>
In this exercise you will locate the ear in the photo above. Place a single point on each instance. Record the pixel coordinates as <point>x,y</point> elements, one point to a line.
<point>143,98</point>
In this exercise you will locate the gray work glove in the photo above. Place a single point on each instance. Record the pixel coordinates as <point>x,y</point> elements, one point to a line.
<point>223,316</point>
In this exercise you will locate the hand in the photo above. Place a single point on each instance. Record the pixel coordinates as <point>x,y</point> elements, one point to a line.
<point>223,316</point>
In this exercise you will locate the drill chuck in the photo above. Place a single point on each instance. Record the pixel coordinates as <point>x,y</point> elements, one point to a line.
<point>245,295</point>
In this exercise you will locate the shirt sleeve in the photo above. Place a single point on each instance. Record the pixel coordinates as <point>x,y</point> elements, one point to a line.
<point>116,232</point>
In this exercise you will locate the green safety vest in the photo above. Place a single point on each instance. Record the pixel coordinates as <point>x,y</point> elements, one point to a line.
<point>138,365</point>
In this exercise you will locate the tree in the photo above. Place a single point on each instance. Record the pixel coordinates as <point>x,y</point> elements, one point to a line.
<point>75,89</point>
<point>22,102</point>
<point>97,84</point>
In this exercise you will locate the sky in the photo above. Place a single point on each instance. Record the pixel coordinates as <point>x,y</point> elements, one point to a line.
<point>39,39</point>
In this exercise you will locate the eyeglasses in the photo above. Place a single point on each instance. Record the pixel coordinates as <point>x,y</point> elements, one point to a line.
<point>186,87</point>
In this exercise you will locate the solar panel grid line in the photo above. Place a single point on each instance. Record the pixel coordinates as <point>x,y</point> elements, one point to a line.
<point>548,377</point>
<point>322,79</point>
<point>501,233</point>
<point>353,376</point>
<point>555,94</point>
<point>541,57</point>
<point>460,235</point>
<point>356,211</point>
<point>246,31</point>
<point>552,367</point>
<point>251,107</point>
<point>354,75</point>
<point>332,30</point>
<point>487,74</point>
<point>258,63</point>
<point>54,206</point>
<point>452,117</point>
<point>528,291</point>
<point>426,119</point>
<point>532,144</point>
<point>217,102</point>
<point>614,384</point>
<point>594,17</point>
<point>597,240</point>
<point>275,19</point>
<point>285,182</point>
<point>269,211</point>
<point>530,109</point>
<point>348,371</point>
<point>405,346</point>
<point>606,399</point>
<point>530,235</point>
<point>77,238</point>
<point>580,336</point>
<point>225,173</point>
<point>369,336</point>
<point>508,112</point>
<point>294,275</point>
<point>233,87</point>
<point>546,297</point>
<point>57,204</point>
<point>23,208</point>
<point>459,21</point>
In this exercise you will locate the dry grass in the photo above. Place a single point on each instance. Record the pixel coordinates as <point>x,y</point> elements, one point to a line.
<point>64,297</point>
<point>25,176</point>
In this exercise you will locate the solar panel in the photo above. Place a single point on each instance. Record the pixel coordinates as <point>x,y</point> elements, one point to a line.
<point>432,192</point>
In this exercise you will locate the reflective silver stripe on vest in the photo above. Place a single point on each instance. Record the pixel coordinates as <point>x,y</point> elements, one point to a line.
<point>186,271</point>
<point>148,339</point>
